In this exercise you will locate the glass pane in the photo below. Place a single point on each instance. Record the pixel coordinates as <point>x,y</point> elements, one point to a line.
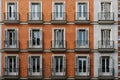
<point>84,66</point>
<point>80,65</point>
<point>103,64</point>
<point>34,70</point>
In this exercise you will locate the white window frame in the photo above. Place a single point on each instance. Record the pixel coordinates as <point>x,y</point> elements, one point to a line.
<point>6,7</point>
<point>77,35</point>
<point>40,2</point>
<point>64,65</point>
<point>17,36</point>
<point>111,64</point>
<point>6,64</point>
<point>53,8</point>
<point>29,65</point>
<point>41,33</point>
<point>53,36</point>
<point>88,65</point>
<point>79,1</point>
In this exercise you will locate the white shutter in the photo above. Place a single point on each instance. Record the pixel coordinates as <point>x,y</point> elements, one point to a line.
<point>30,41</point>
<point>41,41</point>
<point>6,65</point>
<point>6,38</point>
<point>29,66</point>
<point>64,64</point>
<point>53,65</point>
<point>77,65</point>
<point>17,66</point>
<point>41,65</point>
<point>100,64</point>
<point>88,68</point>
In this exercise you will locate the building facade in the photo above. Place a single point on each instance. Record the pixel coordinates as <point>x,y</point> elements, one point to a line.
<point>105,40</point>
<point>59,39</point>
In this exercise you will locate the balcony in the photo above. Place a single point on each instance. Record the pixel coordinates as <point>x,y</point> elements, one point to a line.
<point>34,75</point>
<point>58,18</point>
<point>106,73</point>
<point>35,18</point>
<point>11,73</point>
<point>11,18</point>
<point>59,75</point>
<point>82,75</point>
<point>82,46</point>
<point>106,18</point>
<point>106,46</point>
<point>11,45</point>
<point>58,45</point>
<point>35,46</point>
<point>82,18</point>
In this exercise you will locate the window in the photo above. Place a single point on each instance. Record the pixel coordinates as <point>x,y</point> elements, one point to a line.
<point>82,65</point>
<point>58,13</point>
<point>82,38</point>
<point>11,38</point>
<point>58,41</point>
<point>35,65</point>
<point>35,13</point>
<point>105,38</point>
<point>82,11</point>
<point>105,11</point>
<point>11,65</point>
<point>12,11</point>
<point>106,65</point>
<point>35,38</point>
<point>58,65</point>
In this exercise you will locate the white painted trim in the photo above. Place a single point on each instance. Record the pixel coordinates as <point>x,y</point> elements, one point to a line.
<point>105,1</point>
<point>80,1</point>
<point>58,28</point>
<point>35,2</point>
<point>11,2</point>
<point>58,1</point>
<point>35,28</point>
<point>16,29</point>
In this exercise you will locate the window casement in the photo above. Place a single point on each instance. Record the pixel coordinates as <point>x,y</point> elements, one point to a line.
<point>82,38</point>
<point>58,38</point>
<point>58,11</point>
<point>35,11</point>
<point>82,11</point>
<point>106,13</point>
<point>106,65</point>
<point>105,38</point>
<point>11,65</point>
<point>35,38</point>
<point>12,13</point>
<point>11,38</point>
<point>82,65</point>
<point>58,65</point>
<point>35,65</point>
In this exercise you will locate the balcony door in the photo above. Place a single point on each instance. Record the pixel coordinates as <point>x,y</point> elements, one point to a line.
<point>82,11</point>
<point>105,10</point>
<point>11,11</point>
<point>58,38</point>
<point>105,38</point>
<point>35,65</point>
<point>11,38</point>
<point>35,11</point>
<point>106,64</point>
<point>58,65</point>
<point>82,66</point>
<point>82,38</point>
<point>11,65</point>
<point>35,38</point>
<point>59,11</point>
